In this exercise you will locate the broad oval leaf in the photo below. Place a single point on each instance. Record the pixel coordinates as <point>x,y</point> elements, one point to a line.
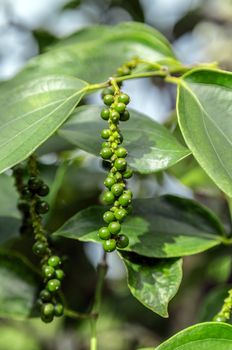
<point>203,336</point>
<point>93,54</point>
<point>153,282</point>
<point>151,147</point>
<point>32,112</point>
<point>204,113</point>
<point>161,227</point>
<point>18,287</point>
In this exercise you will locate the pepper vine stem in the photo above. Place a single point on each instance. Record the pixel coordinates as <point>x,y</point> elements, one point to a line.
<point>102,270</point>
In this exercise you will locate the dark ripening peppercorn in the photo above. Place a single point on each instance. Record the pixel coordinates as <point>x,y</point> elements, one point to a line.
<point>125,116</point>
<point>122,241</point>
<point>34,183</point>
<point>43,190</point>
<point>39,248</point>
<point>45,295</point>
<point>41,207</point>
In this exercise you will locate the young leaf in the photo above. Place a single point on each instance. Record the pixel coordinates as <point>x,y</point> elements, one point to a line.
<point>204,113</point>
<point>202,336</point>
<point>161,227</point>
<point>153,282</point>
<point>32,112</point>
<point>18,287</point>
<point>151,147</point>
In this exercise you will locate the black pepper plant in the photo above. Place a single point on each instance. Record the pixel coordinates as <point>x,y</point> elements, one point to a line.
<point>151,235</point>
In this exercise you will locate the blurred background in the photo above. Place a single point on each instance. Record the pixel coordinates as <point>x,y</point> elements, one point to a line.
<point>200,31</point>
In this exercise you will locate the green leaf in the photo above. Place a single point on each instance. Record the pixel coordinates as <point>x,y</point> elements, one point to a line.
<point>94,54</point>
<point>9,215</point>
<point>161,227</point>
<point>204,113</point>
<point>32,112</point>
<point>203,336</point>
<point>153,282</point>
<point>18,287</point>
<point>151,147</point>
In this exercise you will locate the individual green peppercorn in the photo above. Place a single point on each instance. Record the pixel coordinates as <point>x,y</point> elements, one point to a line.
<point>124,200</point>
<point>47,319</point>
<point>105,144</point>
<point>127,174</point>
<point>120,164</point>
<point>53,285</point>
<point>106,153</point>
<point>105,113</point>
<point>124,98</point>
<point>34,183</point>
<point>124,70</point>
<point>109,181</point>
<point>120,214</point>
<point>114,227</point>
<point>41,207</point>
<point>39,248</point>
<point>107,91</point>
<point>47,309</point>
<point>129,193</point>
<point>121,152</point>
<point>45,295</point>
<point>59,310</point>
<point>108,197</point>
<point>43,190</point>
<point>109,245</point>
<point>48,271</point>
<point>105,134</point>
<point>120,107</point>
<point>108,217</point>
<point>219,318</point>
<point>125,116</point>
<point>59,274</point>
<point>108,100</point>
<point>54,261</point>
<point>122,241</point>
<point>104,233</point>
<point>114,116</point>
<point>117,189</point>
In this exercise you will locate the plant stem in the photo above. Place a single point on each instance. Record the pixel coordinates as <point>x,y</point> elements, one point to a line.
<point>102,270</point>
<point>76,315</point>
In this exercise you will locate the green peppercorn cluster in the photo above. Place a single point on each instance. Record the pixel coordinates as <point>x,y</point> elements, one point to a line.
<point>113,156</point>
<point>225,312</point>
<point>33,208</point>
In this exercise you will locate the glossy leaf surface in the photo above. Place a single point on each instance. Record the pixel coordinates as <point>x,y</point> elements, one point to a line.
<point>167,226</point>
<point>204,113</point>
